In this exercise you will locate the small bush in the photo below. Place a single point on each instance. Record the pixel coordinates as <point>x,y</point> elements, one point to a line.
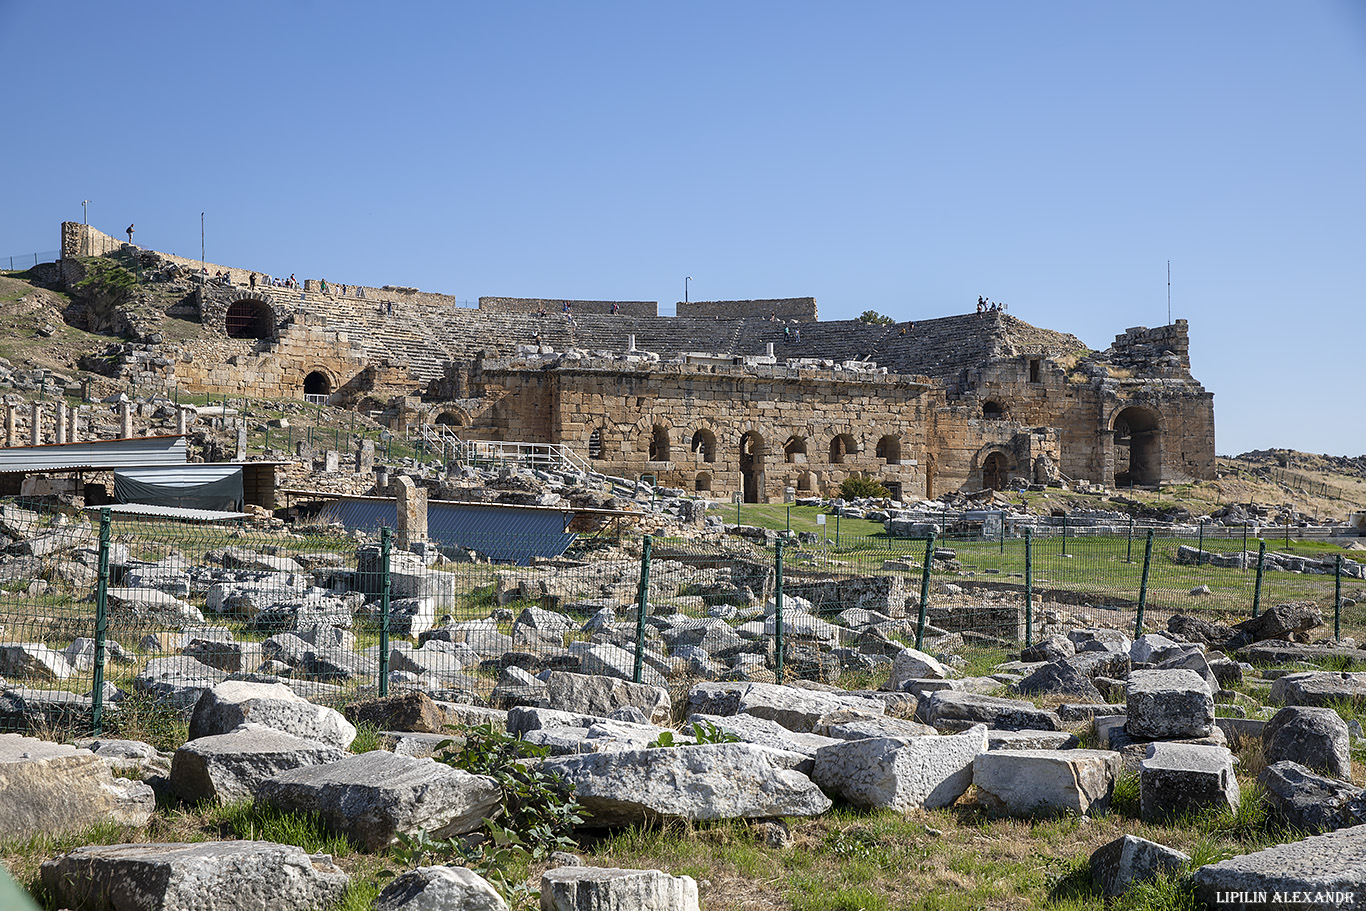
<point>857,488</point>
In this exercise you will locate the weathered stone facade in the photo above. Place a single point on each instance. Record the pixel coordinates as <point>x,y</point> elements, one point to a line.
<point>722,398</point>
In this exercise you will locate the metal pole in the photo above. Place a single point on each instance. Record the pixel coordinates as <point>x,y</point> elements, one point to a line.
<point>837,529</point>
<point>779,640</point>
<point>385,540</point>
<point>642,603</point>
<point>1261,567</point>
<point>1244,560</point>
<point>1003,531</point>
<point>101,626</point>
<point>1129,551</point>
<point>924,591</point>
<point>1064,536</point>
<point>1029,587</point>
<point>1337,599</point>
<point>789,518</point>
<point>1143,585</point>
<point>1200,550</point>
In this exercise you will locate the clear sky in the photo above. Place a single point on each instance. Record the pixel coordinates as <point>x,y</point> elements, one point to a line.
<point>901,157</point>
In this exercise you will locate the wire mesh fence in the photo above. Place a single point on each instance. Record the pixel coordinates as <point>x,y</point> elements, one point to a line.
<point>116,625</point>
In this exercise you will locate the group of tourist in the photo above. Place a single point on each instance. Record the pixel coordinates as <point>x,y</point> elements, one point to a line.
<point>986,306</point>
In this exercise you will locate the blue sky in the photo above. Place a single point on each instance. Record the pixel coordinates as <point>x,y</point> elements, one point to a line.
<point>899,157</point>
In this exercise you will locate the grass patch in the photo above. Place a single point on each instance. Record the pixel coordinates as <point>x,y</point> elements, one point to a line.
<point>260,822</point>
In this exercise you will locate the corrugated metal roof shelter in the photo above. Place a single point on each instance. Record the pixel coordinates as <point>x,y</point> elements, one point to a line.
<point>169,512</point>
<point>503,533</point>
<point>94,455</point>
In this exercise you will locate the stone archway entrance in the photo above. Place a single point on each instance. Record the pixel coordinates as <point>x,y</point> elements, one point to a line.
<point>1138,448</point>
<point>752,465</point>
<point>995,472</point>
<point>249,318</point>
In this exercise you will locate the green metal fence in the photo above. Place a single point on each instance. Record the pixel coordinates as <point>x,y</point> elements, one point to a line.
<point>116,624</point>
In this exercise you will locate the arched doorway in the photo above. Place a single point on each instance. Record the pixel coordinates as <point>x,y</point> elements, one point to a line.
<point>889,449</point>
<point>317,388</point>
<point>842,445</point>
<point>704,444</point>
<point>248,318</point>
<point>1138,448</point>
<point>995,473</point>
<point>794,450</point>
<point>659,444</point>
<point>450,419</point>
<point>702,483</point>
<point>752,465</point>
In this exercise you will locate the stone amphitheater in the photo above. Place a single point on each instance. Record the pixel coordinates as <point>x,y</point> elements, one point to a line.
<point>752,398</point>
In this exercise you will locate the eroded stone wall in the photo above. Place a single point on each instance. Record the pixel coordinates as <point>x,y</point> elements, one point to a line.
<point>798,308</point>
<point>553,306</point>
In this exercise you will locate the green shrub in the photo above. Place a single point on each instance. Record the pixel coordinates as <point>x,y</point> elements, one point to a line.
<point>854,488</point>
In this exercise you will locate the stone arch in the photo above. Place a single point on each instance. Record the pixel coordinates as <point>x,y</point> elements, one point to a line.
<point>889,448</point>
<point>993,410</point>
<point>994,464</point>
<point>841,446</point>
<point>794,450</point>
<point>702,482</point>
<point>704,445</point>
<point>752,465</point>
<point>248,317</point>
<point>659,443</point>
<point>1138,446</point>
<point>806,481</point>
<point>317,383</point>
<point>454,416</point>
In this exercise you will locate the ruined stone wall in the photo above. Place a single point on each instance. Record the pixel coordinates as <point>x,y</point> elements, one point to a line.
<point>535,304</point>
<point>269,370</point>
<point>696,419</point>
<point>964,441</point>
<point>1143,347</point>
<point>83,240</point>
<point>798,308</point>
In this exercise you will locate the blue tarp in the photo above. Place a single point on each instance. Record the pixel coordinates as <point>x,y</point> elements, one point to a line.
<point>504,534</point>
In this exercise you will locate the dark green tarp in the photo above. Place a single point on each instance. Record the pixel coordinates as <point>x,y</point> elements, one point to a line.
<point>207,487</point>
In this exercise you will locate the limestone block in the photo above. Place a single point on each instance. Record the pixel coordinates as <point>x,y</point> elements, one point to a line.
<point>222,875</point>
<point>1320,688</point>
<point>912,664</point>
<point>271,705</point>
<point>373,797</point>
<point>1046,782</point>
<point>608,889</point>
<point>46,788</point>
<point>1129,859</point>
<point>1314,737</point>
<point>1179,777</point>
<point>706,781</point>
<point>178,681</point>
<point>34,660</point>
<point>1168,704</point>
<point>439,889</point>
<point>795,708</point>
<point>1329,870</point>
<point>603,695</point>
<point>227,767</point>
<point>901,774</point>
<point>957,711</point>
<point>1309,802</point>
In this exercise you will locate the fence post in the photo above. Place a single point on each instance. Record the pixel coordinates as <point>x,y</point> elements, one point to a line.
<point>1337,599</point>
<point>1244,545</point>
<point>386,535</point>
<point>924,591</point>
<point>1129,551</point>
<point>1003,531</point>
<point>642,605</point>
<point>1261,567</point>
<point>779,640</point>
<point>1029,587</point>
<point>1200,549</point>
<point>101,625</point>
<point>837,529</point>
<point>1143,585</point>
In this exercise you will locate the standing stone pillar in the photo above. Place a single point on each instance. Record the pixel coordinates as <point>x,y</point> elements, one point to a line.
<point>73,426</point>
<point>126,421</point>
<point>365,457</point>
<point>412,513</point>
<point>331,461</point>
<point>35,424</point>
<point>241,441</point>
<point>61,422</point>
<point>182,421</point>
<point>11,425</point>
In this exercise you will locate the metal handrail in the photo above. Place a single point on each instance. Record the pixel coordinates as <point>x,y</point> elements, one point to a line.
<point>547,456</point>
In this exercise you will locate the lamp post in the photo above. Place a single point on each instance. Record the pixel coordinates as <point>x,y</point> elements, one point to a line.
<point>85,220</point>
<point>685,288</point>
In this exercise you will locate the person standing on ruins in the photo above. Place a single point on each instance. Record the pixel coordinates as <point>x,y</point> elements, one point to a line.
<point>130,234</point>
